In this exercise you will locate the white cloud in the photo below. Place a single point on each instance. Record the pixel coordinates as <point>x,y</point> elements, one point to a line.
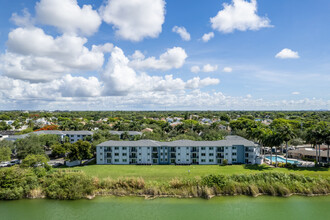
<point>208,36</point>
<point>206,68</point>
<point>138,55</point>
<point>287,54</point>
<point>196,82</point>
<point>209,68</point>
<point>135,20</point>
<point>240,15</point>
<point>23,21</point>
<point>172,58</point>
<point>295,93</point>
<point>68,17</point>
<point>36,56</point>
<point>248,96</point>
<point>182,32</point>
<point>227,69</point>
<point>121,79</point>
<point>195,69</point>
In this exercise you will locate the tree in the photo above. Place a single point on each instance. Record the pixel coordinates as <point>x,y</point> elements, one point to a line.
<point>286,134</point>
<point>35,161</point>
<point>79,150</point>
<point>5,153</point>
<point>29,145</point>
<point>58,150</point>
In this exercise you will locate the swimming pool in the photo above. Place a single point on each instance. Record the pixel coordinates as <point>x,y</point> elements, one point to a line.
<point>282,160</point>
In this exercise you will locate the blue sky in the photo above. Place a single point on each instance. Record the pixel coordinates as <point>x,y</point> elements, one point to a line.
<point>265,55</point>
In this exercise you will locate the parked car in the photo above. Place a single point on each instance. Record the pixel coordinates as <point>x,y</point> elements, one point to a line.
<point>5,164</point>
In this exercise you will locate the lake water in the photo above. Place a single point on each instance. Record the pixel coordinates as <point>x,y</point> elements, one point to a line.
<point>243,208</point>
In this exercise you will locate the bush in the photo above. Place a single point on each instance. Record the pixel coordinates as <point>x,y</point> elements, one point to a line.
<point>63,185</point>
<point>16,183</point>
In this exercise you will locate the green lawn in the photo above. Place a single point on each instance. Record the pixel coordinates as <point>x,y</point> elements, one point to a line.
<point>167,172</point>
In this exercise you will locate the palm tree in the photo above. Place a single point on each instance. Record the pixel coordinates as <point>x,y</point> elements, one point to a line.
<point>286,134</point>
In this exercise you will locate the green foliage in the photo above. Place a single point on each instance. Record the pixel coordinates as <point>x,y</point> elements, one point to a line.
<point>58,150</point>
<point>79,150</point>
<point>62,185</point>
<point>29,145</point>
<point>16,183</point>
<point>5,153</point>
<point>32,160</point>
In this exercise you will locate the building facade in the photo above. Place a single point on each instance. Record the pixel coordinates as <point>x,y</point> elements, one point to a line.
<point>234,149</point>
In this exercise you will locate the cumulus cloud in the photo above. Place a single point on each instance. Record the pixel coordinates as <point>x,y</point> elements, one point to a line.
<point>195,69</point>
<point>196,82</point>
<point>24,20</point>
<point>227,69</point>
<point>135,20</point>
<point>287,54</point>
<point>239,15</point>
<point>172,58</point>
<point>209,68</point>
<point>208,36</point>
<point>121,79</point>
<point>206,68</point>
<point>182,32</point>
<point>34,55</point>
<point>68,16</point>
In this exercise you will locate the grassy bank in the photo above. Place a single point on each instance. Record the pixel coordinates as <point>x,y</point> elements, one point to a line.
<point>159,173</point>
<point>17,183</point>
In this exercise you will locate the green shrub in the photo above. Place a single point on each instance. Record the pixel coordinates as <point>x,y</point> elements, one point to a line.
<point>64,185</point>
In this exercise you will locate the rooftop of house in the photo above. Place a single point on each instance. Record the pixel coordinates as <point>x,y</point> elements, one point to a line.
<point>229,141</point>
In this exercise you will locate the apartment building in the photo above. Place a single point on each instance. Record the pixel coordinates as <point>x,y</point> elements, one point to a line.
<point>234,149</point>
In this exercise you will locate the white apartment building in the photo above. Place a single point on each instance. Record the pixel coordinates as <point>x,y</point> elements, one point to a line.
<point>234,149</point>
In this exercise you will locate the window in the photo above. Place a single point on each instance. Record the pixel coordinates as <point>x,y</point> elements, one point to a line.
<point>234,148</point>
<point>178,148</point>
<point>178,154</point>
<point>148,148</point>
<point>148,154</point>
<point>78,136</point>
<point>203,154</point>
<point>116,154</point>
<point>211,160</point>
<point>101,153</point>
<point>71,135</point>
<point>187,154</point>
<point>116,148</point>
<point>187,160</point>
<point>139,148</point>
<point>124,148</point>
<point>72,140</point>
<point>140,154</point>
<point>211,148</point>
<point>161,159</point>
<point>124,154</point>
<point>203,148</point>
<point>108,160</point>
<point>179,160</point>
<point>234,154</point>
<point>187,148</point>
<point>101,159</point>
<point>234,160</point>
<point>226,154</point>
<point>211,154</point>
<point>117,160</point>
<point>203,160</point>
<point>226,148</point>
<point>125,160</point>
<point>154,160</point>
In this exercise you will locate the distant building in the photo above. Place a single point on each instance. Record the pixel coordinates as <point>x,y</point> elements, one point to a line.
<point>307,153</point>
<point>73,136</point>
<point>234,149</point>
